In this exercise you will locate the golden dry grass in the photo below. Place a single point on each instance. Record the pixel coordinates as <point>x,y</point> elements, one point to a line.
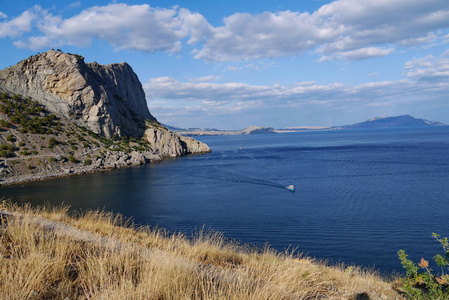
<point>125,262</point>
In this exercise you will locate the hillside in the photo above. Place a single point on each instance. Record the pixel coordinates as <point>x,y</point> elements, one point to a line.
<point>211,131</point>
<point>391,122</point>
<point>49,253</point>
<point>61,116</point>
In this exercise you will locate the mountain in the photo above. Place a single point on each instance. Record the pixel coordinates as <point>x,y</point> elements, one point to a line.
<point>212,131</point>
<point>107,99</point>
<point>60,115</point>
<point>390,122</point>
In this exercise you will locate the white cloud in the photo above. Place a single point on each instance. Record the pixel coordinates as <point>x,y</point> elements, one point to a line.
<point>358,54</point>
<point>426,84</point>
<point>75,4</point>
<point>209,78</point>
<point>137,27</point>
<point>342,29</point>
<point>17,26</point>
<point>429,69</point>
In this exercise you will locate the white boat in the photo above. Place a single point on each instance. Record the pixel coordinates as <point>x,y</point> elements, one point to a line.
<point>291,188</point>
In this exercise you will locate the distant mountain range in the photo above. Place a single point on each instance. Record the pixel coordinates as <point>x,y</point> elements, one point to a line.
<point>391,122</point>
<point>213,131</point>
<point>379,122</point>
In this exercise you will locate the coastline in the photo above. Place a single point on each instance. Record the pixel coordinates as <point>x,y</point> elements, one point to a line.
<point>146,158</point>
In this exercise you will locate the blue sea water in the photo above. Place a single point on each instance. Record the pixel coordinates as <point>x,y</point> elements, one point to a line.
<point>361,195</point>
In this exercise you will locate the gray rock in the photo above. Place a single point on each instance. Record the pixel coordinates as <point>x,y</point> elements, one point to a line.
<point>170,144</point>
<point>107,99</point>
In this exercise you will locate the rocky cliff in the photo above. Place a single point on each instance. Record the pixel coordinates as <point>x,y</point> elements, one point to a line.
<point>59,116</point>
<point>106,99</point>
<point>171,144</point>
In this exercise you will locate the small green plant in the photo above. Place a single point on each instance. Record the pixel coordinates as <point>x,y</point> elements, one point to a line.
<point>7,150</point>
<point>73,159</point>
<point>420,282</point>
<point>10,138</point>
<point>88,162</point>
<point>4,123</point>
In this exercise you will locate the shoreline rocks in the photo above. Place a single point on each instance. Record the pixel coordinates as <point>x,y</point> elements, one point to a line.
<point>61,116</point>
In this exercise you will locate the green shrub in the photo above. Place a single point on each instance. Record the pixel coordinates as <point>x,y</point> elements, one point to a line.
<point>6,150</point>
<point>73,159</point>
<point>420,282</point>
<point>88,162</point>
<point>52,142</point>
<point>4,123</point>
<point>52,159</point>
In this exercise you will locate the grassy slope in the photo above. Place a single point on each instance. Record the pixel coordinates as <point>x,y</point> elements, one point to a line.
<point>144,263</point>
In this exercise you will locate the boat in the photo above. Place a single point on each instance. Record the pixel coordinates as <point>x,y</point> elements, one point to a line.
<point>291,188</point>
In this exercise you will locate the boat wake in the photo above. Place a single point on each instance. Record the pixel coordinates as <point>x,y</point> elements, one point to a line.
<point>239,178</point>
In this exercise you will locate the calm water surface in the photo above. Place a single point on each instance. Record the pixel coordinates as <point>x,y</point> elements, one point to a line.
<point>360,195</point>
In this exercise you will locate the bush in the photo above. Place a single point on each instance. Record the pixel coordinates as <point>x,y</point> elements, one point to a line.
<point>4,123</point>
<point>73,159</point>
<point>420,282</point>
<point>52,142</point>
<point>10,138</point>
<point>6,150</point>
<point>88,162</point>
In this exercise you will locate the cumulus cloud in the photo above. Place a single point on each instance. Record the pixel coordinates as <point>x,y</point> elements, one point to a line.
<point>75,4</point>
<point>429,68</point>
<point>342,29</point>
<point>358,54</point>
<point>426,83</point>
<point>136,27</point>
<point>209,78</point>
<point>17,26</point>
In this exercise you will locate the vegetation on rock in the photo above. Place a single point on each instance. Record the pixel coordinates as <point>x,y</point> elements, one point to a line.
<point>28,115</point>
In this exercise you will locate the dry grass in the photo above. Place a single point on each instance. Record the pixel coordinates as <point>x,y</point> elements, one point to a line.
<point>108,258</point>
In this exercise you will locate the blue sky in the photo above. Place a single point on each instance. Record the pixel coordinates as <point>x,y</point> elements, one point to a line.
<point>231,64</point>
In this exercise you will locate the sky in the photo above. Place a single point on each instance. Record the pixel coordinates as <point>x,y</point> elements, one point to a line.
<point>231,64</point>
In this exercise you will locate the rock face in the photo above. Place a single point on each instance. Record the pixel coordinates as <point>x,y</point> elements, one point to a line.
<point>170,144</point>
<point>107,99</point>
<point>59,115</point>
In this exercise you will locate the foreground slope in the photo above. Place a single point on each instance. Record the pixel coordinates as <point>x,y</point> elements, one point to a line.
<point>59,116</point>
<point>95,256</point>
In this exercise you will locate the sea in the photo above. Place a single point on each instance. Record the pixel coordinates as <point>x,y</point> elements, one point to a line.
<point>361,195</point>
